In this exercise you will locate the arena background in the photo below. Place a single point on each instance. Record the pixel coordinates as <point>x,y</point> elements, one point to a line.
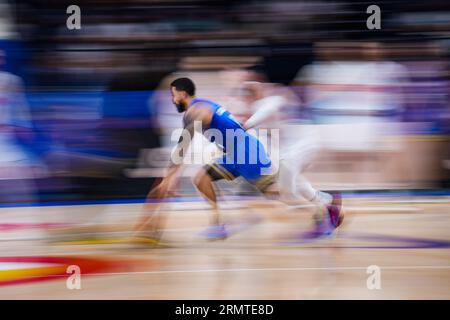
<point>86,119</point>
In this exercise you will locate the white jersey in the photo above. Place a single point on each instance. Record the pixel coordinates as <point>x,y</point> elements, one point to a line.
<point>298,141</point>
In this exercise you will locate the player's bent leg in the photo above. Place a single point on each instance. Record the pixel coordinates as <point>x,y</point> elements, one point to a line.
<point>330,202</point>
<point>203,181</point>
<point>204,184</point>
<point>287,178</point>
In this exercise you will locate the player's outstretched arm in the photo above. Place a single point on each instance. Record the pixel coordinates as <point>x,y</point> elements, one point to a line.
<point>266,108</point>
<point>179,152</point>
<point>150,219</point>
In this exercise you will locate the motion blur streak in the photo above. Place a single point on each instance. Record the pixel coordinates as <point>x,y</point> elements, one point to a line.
<point>86,117</point>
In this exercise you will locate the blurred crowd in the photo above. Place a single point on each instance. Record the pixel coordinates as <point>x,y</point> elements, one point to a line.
<point>86,114</point>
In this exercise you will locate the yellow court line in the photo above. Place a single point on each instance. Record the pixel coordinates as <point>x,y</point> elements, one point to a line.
<point>22,274</point>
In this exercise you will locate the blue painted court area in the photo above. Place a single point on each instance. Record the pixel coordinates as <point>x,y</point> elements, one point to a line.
<point>345,194</point>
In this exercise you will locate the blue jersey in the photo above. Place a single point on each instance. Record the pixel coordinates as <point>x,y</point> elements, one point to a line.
<point>222,121</point>
<point>245,154</point>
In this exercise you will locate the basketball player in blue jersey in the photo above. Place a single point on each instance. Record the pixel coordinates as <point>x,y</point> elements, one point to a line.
<point>243,157</point>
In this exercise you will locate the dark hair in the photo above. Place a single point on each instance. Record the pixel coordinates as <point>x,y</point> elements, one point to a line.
<point>259,71</point>
<point>257,68</point>
<point>184,84</point>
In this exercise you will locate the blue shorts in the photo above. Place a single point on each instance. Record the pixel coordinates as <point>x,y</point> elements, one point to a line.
<point>253,168</point>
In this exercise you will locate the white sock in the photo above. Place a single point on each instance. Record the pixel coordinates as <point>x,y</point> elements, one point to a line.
<point>322,198</point>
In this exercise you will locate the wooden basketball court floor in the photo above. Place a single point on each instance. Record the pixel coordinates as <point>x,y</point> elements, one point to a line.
<point>407,239</point>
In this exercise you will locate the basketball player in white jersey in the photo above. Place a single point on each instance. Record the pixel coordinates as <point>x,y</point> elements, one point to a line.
<point>272,107</point>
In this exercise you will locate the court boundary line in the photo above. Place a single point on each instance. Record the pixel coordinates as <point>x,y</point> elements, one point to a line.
<point>365,268</point>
